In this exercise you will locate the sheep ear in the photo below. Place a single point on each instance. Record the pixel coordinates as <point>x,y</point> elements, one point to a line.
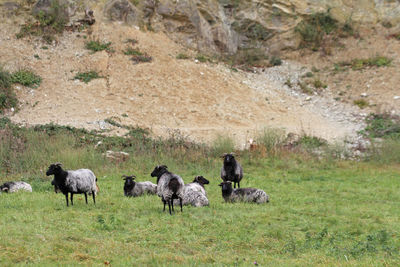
<point>133,177</point>
<point>223,155</point>
<point>124,176</point>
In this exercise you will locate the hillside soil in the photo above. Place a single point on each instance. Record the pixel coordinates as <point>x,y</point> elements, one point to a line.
<point>198,100</point>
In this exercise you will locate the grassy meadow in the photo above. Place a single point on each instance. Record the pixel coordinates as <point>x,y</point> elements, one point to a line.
<point>322,212</point>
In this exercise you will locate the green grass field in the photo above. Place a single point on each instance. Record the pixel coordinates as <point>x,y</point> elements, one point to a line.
<point>321,212</point>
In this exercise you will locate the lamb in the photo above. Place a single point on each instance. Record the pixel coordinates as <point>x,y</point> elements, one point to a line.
<point>194,193</point>
<point>169,186</point>
<point>12,187</point>
<point>82,181</point>
<point>231,170</point>
<point>243,194</point>
<point>135,189</point>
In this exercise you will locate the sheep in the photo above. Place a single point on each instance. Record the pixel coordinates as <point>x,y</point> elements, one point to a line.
<point>12,187</point>
<point>82,181</point>
<point>135,189</point>
<point>194,193</point>
<point>169,186</point>
<point>243,194</point>
<point>231,170</point>
<point>57,190</point>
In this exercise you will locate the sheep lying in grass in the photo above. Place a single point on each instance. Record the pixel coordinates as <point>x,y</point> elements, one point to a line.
<point>243,194</point>
<point>231,170</point>
<point>12,187</point>
<point>82,181</point>
<point>135,189</point>
<point>194,193</point>
<point>169,186</point>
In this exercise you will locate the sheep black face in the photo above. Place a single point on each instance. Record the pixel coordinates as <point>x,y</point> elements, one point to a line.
<point>159,170</point>
<point>201,180</point>
<point>54,169</point>
<point>229,158</point>
<point>129,183</point>
<point>226,186</point>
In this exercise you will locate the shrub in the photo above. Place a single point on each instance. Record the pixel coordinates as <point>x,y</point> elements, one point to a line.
<point>361,103</point>
<point>132,52</point>
<point>26,77</point>
<point>7,95</point>
<point>87,76</point>
<point>313,29</point>
<point>382,125</point>
<point>319,84</point>
<point>360,64</point>
<point>96,45</point>
<point>182,56</point>
<point>141,58</point>
<point>311,141</point>
<point>275,61</point>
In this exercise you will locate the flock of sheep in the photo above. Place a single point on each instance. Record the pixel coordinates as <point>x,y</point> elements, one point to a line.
<point>169,187</point>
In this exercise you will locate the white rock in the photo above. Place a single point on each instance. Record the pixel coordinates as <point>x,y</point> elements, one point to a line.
<point>396,97</point>
<point>364,95</point>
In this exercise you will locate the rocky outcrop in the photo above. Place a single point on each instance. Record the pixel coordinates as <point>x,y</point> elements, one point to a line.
<point>226,26</point>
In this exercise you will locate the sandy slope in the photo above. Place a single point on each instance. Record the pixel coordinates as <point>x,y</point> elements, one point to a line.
<point>201,100</point>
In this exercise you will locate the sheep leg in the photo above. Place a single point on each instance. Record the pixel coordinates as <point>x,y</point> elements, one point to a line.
<point>85,197</point>
<point>164,204</point>
<point>238,184</point>
<point>66,198</point>
<point>172,204</point>
<point>94,198</point>
<point>180,203</point>
<point>72,199</point>
<point>169,207</point>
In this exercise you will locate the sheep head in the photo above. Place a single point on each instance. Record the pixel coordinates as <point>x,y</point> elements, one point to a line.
<point>159,170</point>
<point>54,168</point>
<point>226,186</point>
<point>229,158</point>
<point>201,180</point>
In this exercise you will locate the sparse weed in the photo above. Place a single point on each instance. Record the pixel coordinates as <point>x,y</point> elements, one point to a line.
<point>361,103</point>
<point>319,84</point>
<point>275,61</point>
<point>96,46</point>
<point>132,52</point>
<point>182,56</point>
<point>86,77</point>
<point>8,98</point>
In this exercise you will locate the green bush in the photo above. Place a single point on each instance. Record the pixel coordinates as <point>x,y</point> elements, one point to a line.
<point>96,46</point>
<point>361,103</point>
<point>382,125</point>
<point>26,77</point>
<point>182,56</point>
<point>87,76</point>
<point>8,98</point>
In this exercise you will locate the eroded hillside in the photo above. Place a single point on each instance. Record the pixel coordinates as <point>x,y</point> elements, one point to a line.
<point>199,99</point>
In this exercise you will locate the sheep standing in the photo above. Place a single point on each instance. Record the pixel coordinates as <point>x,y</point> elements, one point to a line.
<point>135,189</point>
<point>12,187</point>
<point>231,170</point>
<point>194,193</point>
<point>82,181</point>
<point>169,186</point>
<point>243,194</point>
